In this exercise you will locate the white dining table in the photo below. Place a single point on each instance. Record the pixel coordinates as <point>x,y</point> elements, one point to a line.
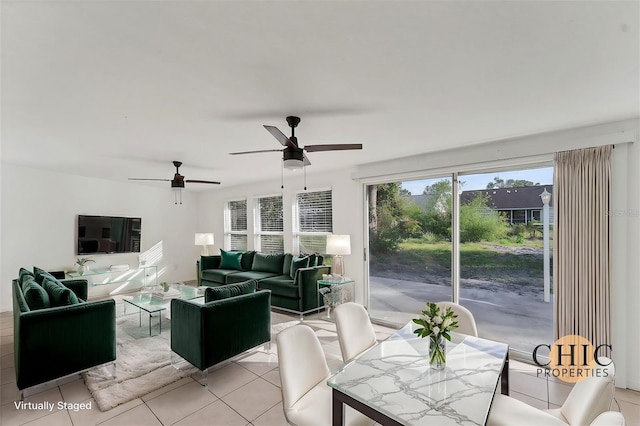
<point>393,384</point>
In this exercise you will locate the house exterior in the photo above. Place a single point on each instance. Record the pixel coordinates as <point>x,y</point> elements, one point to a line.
<point>517,205</point>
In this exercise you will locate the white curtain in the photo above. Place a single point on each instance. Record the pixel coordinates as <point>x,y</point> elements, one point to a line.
<point>581,258</point>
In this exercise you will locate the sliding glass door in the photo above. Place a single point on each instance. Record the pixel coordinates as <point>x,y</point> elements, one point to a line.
<point>502,251</point>
<point>409,247</point>
<point>504,230</point>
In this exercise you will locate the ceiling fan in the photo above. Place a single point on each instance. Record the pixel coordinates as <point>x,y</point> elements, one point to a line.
<point>177,183</point>
<point>293,155</point>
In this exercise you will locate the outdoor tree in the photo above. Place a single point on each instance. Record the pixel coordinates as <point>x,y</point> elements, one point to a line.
<point>509,183</point>
<point>386,214</point>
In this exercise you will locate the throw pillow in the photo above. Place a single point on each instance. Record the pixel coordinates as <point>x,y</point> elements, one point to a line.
<point>286,266</point>
<point>35,296</point>
<point>247,260</point>
<point>230,260</point>
<point>229,290</point>
<point>58,296</point>
<point>23,273</point>
<point>297,263</point>
<point>41,274</point>
<point>313,259</point>
<point>268,263</point>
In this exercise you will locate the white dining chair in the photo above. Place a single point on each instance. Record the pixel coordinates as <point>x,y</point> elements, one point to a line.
<point>355,332</point>
<point>587,400</point>
<point>609,418</point>
<point>306,397</point>
<point>466,322</point>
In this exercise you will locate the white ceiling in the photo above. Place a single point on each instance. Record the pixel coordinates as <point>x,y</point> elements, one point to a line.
<point>118,89</point>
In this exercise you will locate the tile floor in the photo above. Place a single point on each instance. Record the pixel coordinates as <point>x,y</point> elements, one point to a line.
<point>242,392</point>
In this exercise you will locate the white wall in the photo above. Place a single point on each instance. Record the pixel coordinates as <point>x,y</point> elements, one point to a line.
<point>38,223</point>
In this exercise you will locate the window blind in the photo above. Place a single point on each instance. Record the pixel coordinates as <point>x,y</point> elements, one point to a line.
<point>315,212</point>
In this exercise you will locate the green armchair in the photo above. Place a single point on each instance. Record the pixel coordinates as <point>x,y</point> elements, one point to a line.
<point>209,333</point>
<point>51,343</point>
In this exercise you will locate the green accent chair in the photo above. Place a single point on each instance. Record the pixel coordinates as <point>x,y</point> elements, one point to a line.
<point>53,342</point>
<point>207,334</point>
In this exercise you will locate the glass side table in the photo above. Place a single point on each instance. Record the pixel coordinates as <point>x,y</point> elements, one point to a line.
<point>335,293</point>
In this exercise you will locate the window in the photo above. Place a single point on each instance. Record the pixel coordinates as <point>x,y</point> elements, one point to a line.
<point>269,224</point>
<point>235,225</point>
<point>313,221</point>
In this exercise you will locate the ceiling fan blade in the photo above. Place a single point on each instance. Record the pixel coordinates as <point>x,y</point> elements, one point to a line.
<point>201,181</point>
<point>280,136</point>
<point>254,152</point>
<point>334,147</point>
<point>305,160</point>
<point>163,180</point>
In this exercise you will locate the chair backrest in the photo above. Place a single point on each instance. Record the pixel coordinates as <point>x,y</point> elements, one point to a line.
<point>609,418</point>
<point>590,397</point>
<point>301,361</point>
<point>466,322</point>
<point>355,332</point>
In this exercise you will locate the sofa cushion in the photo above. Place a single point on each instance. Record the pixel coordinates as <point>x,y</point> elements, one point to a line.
<point>247,260</point>
<point>230,290</point>
<point>23,273</point>
<point>313,259</point>
<point>286,266</point>
<point>230,260</point>
<point>268,263</point>
<point>248,275</point>
<point>217,275</point>
<point>59,295</point>
<point>42,275</point>
<point>281,285</point>
<point>35,296</point>
<point>297,263</point>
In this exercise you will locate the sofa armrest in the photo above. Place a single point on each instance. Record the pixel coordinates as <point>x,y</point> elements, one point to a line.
<point>307,281</point>
<point>206,334</point>
<point>210,262</point>
<point>51,343</point>
<point>79,287</point>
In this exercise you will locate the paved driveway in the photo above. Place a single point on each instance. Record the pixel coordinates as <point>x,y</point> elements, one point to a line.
<point>522,321</point>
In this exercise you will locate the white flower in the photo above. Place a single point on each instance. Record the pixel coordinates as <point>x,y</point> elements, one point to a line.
<point>446,323</point>
<point>427,319</point>
<point>437,319</point>
<point>435,330</point>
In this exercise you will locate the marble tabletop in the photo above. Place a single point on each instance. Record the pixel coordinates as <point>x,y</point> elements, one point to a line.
<point>394,378</point>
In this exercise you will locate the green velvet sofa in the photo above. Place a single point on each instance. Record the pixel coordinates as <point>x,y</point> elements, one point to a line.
<point>65,336</point>
<point>233,319</point>
<point>291,279</point>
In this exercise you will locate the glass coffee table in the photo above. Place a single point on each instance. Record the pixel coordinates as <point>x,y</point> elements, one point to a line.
<point>154,300</point>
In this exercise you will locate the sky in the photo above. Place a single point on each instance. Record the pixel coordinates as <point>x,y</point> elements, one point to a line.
<point>544,176</point>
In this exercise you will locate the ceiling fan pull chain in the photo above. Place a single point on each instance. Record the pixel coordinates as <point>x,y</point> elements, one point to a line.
<point>304,170</point>
<point>282,174</point>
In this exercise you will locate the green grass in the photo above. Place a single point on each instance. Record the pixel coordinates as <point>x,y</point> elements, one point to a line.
<point>477,261</point>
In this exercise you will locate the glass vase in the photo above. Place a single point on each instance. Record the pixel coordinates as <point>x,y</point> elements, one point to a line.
<point>437,352</point>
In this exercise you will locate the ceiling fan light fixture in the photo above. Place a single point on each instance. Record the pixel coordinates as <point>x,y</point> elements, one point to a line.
<point>293,164</point>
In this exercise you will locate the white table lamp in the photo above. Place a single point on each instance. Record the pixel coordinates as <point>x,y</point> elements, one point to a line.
<point>204,239</point>
<point>338,246</point>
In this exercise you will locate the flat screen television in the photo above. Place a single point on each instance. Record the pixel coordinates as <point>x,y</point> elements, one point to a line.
<point>108,234</point>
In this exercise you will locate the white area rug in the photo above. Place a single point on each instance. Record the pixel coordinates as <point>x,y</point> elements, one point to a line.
<point>143,363</point>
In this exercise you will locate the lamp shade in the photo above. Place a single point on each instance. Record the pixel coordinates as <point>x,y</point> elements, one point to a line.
<point>339,244</point>
<point>204,238</point>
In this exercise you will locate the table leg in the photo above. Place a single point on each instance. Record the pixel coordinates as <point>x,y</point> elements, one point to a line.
<point>338,410</point>
<point>504,376</point>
